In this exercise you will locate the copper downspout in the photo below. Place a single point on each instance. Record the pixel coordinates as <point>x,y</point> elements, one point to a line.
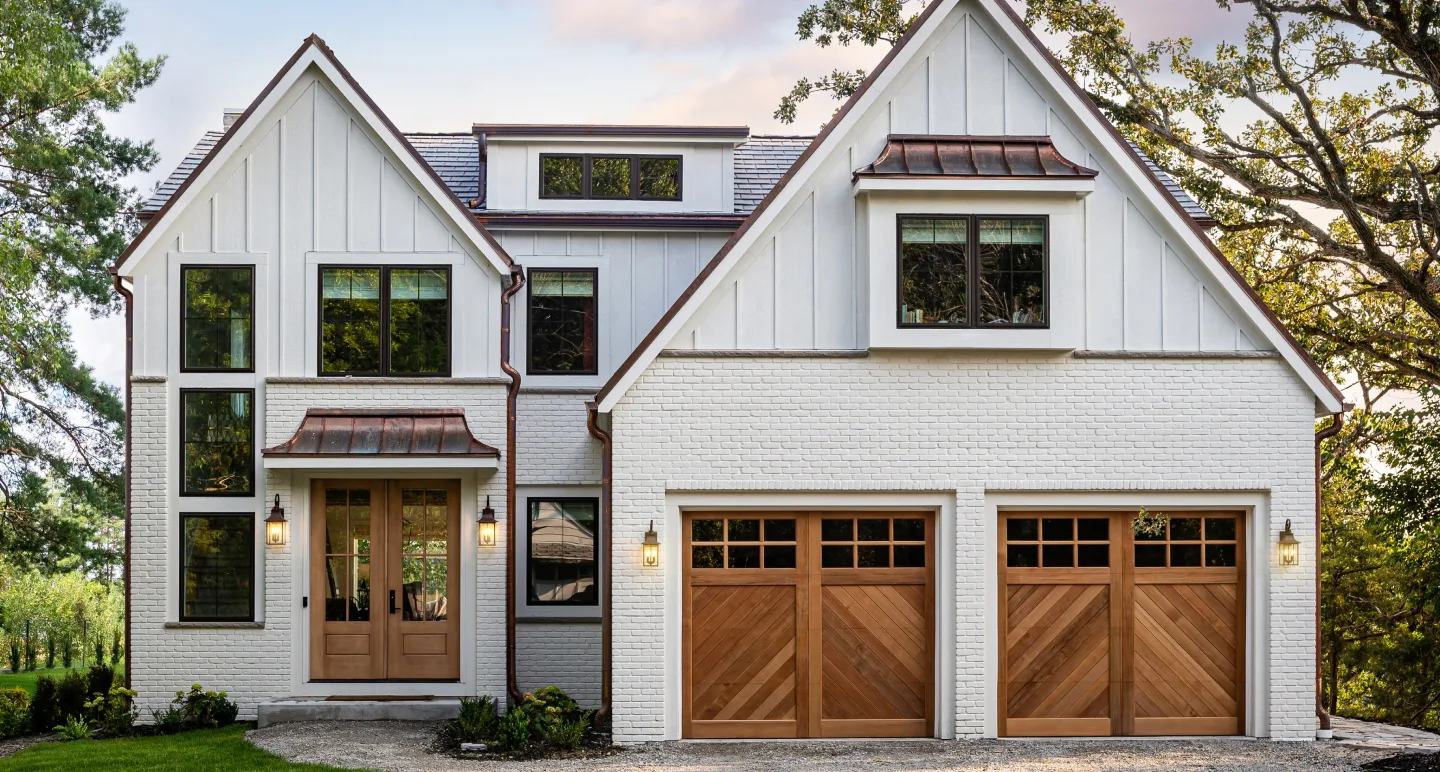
<point>129,369</point>
<point>593,423</point>
<point>1320,713</point>
<point>517,280</point>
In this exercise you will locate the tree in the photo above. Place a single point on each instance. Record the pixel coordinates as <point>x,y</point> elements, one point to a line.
<point>867,22</point>
<point>65,215</point>
<point>1325,193</point>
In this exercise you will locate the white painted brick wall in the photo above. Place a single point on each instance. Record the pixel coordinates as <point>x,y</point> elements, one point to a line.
<point>552,441</point>
<point>965,422</point>
<point>256,665</point>
<point>566,655</point>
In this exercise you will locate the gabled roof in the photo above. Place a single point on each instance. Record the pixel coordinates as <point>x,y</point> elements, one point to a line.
<point>1192,207</point>
<point>710,276</point>
<point>314,53</point>
<point>929,155</point>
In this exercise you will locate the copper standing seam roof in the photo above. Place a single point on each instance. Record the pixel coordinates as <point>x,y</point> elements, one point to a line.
<point>340,433</point>
<point>933,155</point>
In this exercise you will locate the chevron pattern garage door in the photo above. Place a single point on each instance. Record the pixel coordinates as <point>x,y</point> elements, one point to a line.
<point>808,624</point>
<point>1109,632</point>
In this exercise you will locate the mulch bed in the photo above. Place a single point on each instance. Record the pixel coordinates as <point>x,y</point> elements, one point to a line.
<point>1405,762</point>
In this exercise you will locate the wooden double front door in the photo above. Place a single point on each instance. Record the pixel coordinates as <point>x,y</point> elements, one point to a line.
<point>385,580</point>
<point>1106,631</point>
<point>808,624</point>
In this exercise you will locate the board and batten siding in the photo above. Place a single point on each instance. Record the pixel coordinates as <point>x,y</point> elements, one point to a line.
<point>803,284</point>
<point>707,175</point>
<point>312,184</point>
<point>640,274</point>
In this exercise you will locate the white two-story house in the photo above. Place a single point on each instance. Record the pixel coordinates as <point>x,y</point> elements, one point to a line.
<point>728,435</point>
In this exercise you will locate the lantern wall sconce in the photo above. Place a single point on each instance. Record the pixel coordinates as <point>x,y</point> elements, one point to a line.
<point>1289,547</point>
<point>487,525</point>
<point>650,549</point>
<point>275,525</point>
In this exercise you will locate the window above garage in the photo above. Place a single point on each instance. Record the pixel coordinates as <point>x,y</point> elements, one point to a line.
<point>972,271</point>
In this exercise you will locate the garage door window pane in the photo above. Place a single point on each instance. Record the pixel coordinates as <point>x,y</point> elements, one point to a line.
<point>837,556</point>
<point>909,556</point>
<point>779,530</point>
<point>744,530</point>
<point>1185,529</point>
<point>873,530</point>
<point>1219,555</point>
<point>707,530</point>
<point>708,556</point>
<point>1220,528</point>
<point>744,556</point>
<point>780,556</point>
<point>1059,529</point>
<point>1094,529</point>
<point>874,556</point>
<point>1058,556</point>
<point>1022,529</point>
<point>1187,555</point>
<point>1149,555</point>
<point>837,530</point>
<point>909,529</point>
<point>1022,555</point>
<point>1094,555</point>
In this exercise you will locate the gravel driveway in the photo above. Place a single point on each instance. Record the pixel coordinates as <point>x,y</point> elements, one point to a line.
<point>398,745</point>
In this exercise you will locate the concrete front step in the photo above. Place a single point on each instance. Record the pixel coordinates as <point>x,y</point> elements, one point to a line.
<point>320,709</point>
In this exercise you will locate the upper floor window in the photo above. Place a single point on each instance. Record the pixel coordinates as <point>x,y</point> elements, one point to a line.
<point>217,442</point>
<point>384,321</point>
<point>564,553</point>
<point>562,322</point>
<point>655,177</point>
<point>972,271</point>
<point>217,318</point>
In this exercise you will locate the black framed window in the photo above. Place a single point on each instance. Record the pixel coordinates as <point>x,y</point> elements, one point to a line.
<point>650,177</point>
<point>217,442</point>
<point>384,320</point>
<point>563,556</point>
<point>217,310</point>
<point>217,567</point>
<point>972,271</point>
<point>562,322</point>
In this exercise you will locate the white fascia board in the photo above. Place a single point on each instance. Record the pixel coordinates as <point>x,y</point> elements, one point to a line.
<point>1121,157</point>
<point>783,200</point>
<point>1080,186</point>
<point>380,462</point>
<point>637,139</point>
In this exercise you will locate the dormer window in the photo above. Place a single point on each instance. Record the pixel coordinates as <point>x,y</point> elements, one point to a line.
<point>617,177</point>
<point>972,271</point>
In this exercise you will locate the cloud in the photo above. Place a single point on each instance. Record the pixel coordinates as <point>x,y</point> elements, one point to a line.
<point>670,24</point>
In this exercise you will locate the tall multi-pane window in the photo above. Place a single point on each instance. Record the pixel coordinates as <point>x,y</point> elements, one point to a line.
<point>217,317</point>
<point>967,271</point>
<point>217,442</point>
<point>384,321</point>
<point>562,322</point>
<point>217,567</point>
<point>652,177</point>
<point>564,552</point>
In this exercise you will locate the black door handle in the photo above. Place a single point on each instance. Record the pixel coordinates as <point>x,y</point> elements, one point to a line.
<point>392,602</point>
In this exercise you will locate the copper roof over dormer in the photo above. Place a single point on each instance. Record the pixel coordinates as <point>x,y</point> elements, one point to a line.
<point>332,433</point>
<point>933,155</point>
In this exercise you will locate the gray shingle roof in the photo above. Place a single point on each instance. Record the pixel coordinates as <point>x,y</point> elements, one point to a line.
<point>1190,205</point>
<point>455,157</point>
<point>760,163</point>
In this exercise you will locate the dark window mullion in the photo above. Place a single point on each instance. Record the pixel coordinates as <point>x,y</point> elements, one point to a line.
<point>973,259</point>
<point>585,176</point>
<point>385,320</point>
<point>634,176</point>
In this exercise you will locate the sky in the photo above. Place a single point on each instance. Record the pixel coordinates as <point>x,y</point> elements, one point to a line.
<point>441,66</point>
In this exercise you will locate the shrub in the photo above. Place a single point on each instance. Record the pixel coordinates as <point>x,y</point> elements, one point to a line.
<point>71,695</point>
<point>67,654</point>
<point>99,681</point>
<point>45,705</point>
<point>14,712</point>
<point>49,653</point>
<point>75,728</point>
<point>14,657</point>
<point>478,721</point>
<point>116,651</point>
<point>513,732</point>
<point>566,734</point>
<point>112,712</point>
<point>99,651</point>
<point>206,710</point>
<point>29,654</point>
<point>170,720</point>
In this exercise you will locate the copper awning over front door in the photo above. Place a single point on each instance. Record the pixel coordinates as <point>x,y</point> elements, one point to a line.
<point>394,438</point>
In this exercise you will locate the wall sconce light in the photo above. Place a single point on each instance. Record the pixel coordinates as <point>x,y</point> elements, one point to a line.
<point>650,549</point>
<point>275,525</point>
<point>1289,547</point>
<point>487,525</point>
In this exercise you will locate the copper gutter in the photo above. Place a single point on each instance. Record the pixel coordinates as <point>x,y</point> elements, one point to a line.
<point>517,280</point>
<point>1320,713</point>
<point>129,369</point>
<point>592,422</point>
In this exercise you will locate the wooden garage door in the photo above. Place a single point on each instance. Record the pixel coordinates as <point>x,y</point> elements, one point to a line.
<point>1107,632</point>
<point>806,624</point>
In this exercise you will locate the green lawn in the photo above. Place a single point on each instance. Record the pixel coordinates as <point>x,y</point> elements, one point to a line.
<point>27,679</point>
<point>213,750</point>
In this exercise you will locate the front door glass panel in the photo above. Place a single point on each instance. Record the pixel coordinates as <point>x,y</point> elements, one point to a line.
<point>424,540</point>
<point>347,555</point>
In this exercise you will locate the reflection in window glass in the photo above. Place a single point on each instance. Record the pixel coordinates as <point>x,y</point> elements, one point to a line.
<point>347,555</point>
<point>217,561</point>
<point>744,556</point>
<point>561,176</point>
<point>350,320</point>
<point>609,177</point>
<point>707,556</point>
<point>1012,271</point>
<point>217,454</point>
<point>562,322</point>
<point>217,318</point>
<point>419,320</point>
<point>659,178</point>
<point>424,564</point>
<point>934,275</point>
<point>744,530</point>
<point>707,530</point>
<point>564,552</point>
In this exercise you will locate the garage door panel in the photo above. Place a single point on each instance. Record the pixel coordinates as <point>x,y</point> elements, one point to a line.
<point>875,661</point>
<point>744,667</point>
<point>1166,634</point>
<point>1058,660</point>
